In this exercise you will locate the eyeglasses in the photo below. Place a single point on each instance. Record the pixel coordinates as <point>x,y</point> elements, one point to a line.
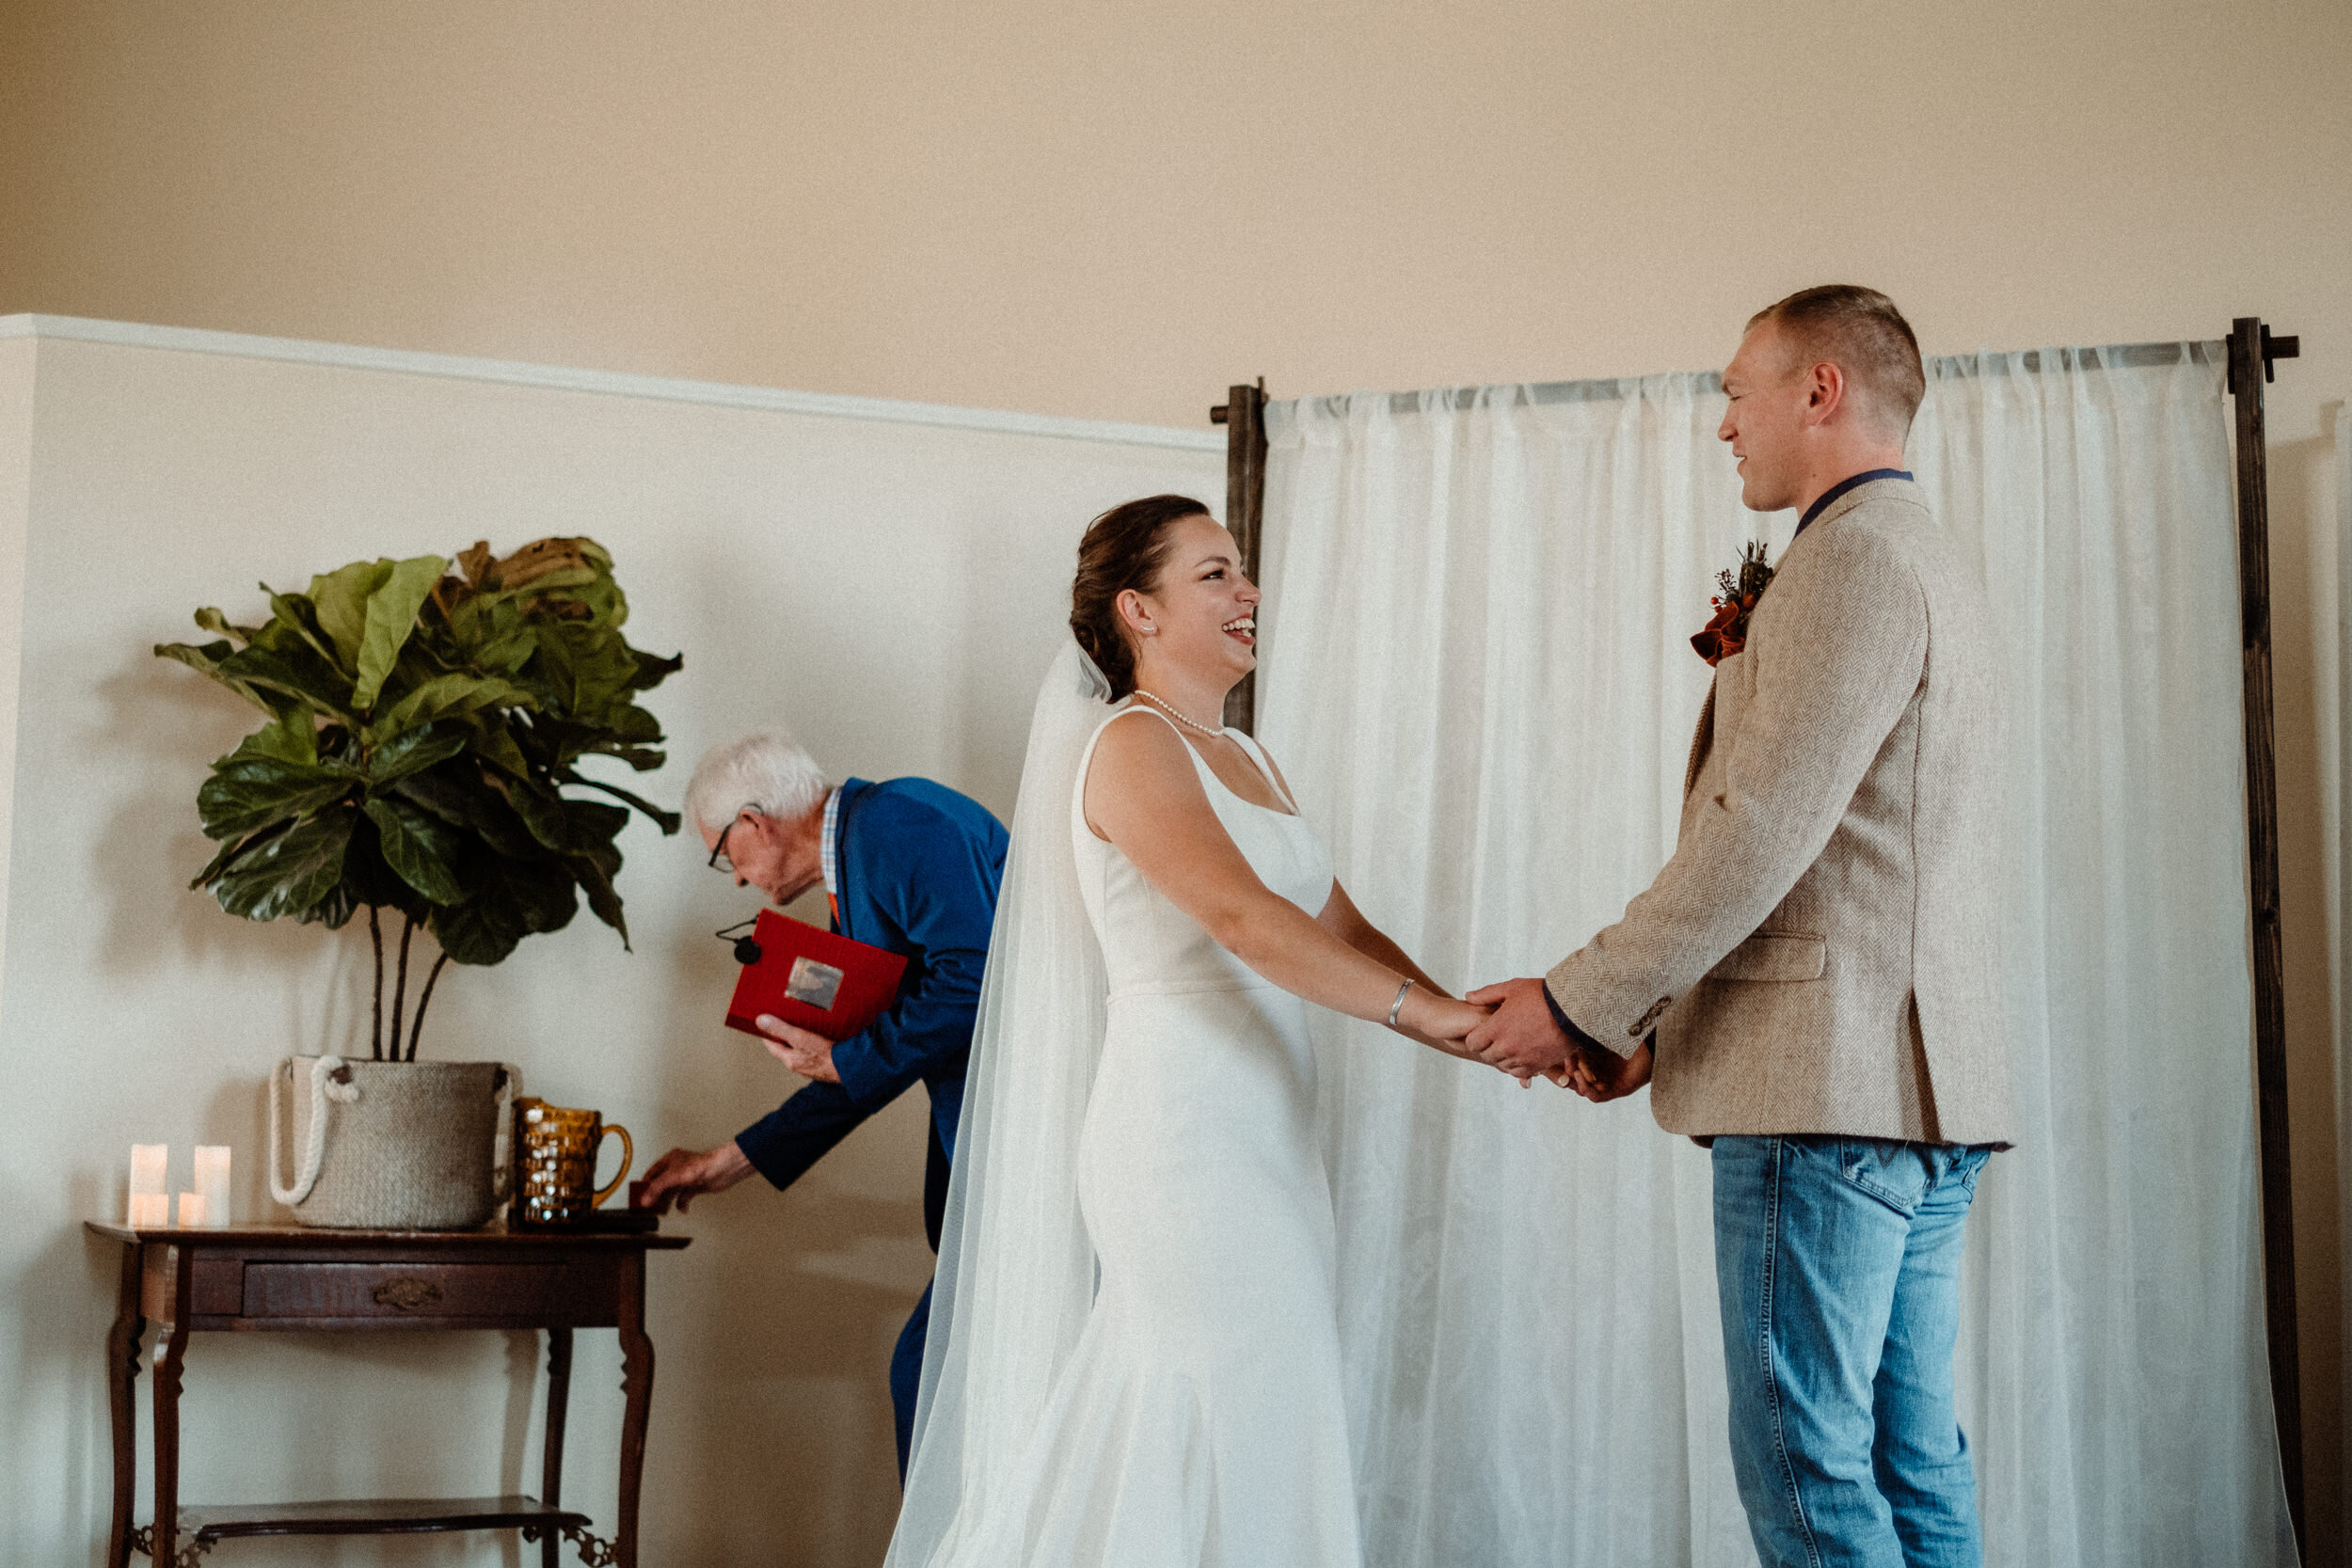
<point>719,861</point>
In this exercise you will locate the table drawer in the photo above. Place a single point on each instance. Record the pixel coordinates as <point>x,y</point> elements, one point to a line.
<point>400,1289</point>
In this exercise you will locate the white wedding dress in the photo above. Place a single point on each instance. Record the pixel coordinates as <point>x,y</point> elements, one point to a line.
<point>1140,1366</point>
<point>1198,1420</point>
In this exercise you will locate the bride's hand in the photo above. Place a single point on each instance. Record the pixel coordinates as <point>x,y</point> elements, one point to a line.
<point>1440,1018</point>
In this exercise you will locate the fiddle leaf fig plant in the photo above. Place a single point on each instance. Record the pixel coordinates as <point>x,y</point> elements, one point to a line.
<point>423,720</point>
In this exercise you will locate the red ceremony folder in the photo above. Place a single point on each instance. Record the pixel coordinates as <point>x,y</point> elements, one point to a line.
<point>814,979</point>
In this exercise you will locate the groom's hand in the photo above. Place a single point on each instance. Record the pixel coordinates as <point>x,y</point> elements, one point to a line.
<point>1601,1076</point>
<point>1521,1038</point>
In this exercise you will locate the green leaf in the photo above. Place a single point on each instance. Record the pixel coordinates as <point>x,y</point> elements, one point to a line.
<point>391,616</point>
<point>206,660</point>
<point>414,752</point>
<point>335,910</point>
<point>419,846</point>
<point>470,803</point>
<point>496,742</point>
<point>340,598</point>
<point>470,933</point>
<point>668,819</point>
<point>253,792</point>
<point>295,671</point>
<point>597,882</point>
<point>542,811</point>
<point>209,619</point>
<point>543,893</point>
<point>652,672</point>
<point>290,873</point>
<point>594,823</point>
<point>294,739</point>
<point>228,854</point>
<point>294,616</point>
<point>447,695</point>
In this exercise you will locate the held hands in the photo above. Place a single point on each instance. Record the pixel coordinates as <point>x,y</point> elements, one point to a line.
<point>1525,1040</point>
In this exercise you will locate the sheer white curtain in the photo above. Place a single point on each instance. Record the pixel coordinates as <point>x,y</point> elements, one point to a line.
<point>1478,675</point>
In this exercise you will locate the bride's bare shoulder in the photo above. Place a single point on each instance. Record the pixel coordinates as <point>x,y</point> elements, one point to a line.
<point>1137,760</point>
<point>1136,741</point>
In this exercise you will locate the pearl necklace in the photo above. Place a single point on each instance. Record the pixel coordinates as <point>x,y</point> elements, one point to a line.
<point>1171,709</point>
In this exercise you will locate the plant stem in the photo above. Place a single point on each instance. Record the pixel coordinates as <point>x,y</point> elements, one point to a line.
<point>375,1028</point>
<point>416,1028</point>
<point>400,986</point>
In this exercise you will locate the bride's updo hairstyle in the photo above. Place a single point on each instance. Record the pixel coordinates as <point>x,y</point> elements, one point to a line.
<point>1123,549</point>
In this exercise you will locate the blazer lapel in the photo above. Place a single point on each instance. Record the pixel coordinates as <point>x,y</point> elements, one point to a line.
<point>1699,740</point>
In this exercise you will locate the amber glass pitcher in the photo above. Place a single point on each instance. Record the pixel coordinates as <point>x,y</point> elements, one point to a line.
<point>555,1162</point>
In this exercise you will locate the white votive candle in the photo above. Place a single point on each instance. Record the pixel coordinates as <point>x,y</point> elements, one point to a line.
<point>150,1211</point>
<point>191,1210</point>
<point>148,1163</point>
<point>212,1181</point>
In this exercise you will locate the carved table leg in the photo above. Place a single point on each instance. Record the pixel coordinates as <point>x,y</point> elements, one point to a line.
<point>637,1390</point>
<point>123,1376</point>
<point>552,1464</point>
<point>168,1356</point>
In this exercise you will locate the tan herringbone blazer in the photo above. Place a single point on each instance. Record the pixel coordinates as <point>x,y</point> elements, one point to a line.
<point>1822,954</point>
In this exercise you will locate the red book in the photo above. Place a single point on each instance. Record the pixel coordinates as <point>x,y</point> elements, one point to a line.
<point>817,979</point>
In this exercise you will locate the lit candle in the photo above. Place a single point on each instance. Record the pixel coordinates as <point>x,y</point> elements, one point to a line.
<point>212,1181</point>
<point>148,1163</point>
<point>190,1210</point>
<point>150,1211</point>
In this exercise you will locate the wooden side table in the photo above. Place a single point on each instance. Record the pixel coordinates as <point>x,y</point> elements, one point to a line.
<point>280,1277</point>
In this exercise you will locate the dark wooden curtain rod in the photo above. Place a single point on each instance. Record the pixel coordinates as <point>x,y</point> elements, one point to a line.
<point>2252,353</point>
<point>2252,350</point>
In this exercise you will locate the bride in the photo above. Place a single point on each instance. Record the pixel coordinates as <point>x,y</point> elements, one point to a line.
<point>1141,1365</point>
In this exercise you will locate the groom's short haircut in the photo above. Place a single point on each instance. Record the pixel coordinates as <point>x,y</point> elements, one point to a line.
<point>1860,331</point>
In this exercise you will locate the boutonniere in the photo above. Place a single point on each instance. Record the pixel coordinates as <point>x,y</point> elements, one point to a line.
<point>1742,585</point>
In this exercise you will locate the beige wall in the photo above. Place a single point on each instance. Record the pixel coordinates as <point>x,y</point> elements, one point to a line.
<point>889,590</point>
<point>1114,210</point>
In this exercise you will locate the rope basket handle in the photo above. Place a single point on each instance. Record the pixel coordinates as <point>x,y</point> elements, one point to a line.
<point>509,1086</point>
<point>330,1080</point>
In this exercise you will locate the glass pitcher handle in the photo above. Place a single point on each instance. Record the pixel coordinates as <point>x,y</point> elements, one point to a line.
<point>628,1158</point>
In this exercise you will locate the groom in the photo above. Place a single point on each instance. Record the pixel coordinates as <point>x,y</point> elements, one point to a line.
<point>1817,969</point>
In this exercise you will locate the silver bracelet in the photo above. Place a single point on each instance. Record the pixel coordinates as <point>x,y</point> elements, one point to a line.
<point>1398,1006</point>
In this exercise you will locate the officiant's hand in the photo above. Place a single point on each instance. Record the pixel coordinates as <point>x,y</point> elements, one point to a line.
<point>684,1175</point>
<point>1521,1038</point>
<point>805,1052</point>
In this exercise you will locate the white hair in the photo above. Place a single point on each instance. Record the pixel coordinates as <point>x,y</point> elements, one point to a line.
<point>766,773</point>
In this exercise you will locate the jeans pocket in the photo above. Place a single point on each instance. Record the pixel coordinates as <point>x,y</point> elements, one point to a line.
<point>1890,1171</point>
<point>1969,1163</point>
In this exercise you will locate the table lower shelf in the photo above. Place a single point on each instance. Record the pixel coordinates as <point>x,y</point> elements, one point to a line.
<point>204,1525</point>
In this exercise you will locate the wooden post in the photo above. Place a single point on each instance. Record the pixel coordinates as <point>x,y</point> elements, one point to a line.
<point>2251,351</point>
<point>1242,415</point>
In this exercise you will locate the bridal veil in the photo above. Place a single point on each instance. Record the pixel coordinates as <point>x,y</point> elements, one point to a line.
<point>1016,1272</point>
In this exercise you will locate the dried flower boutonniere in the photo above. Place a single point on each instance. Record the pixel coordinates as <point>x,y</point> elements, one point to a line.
<point>1727,633</point>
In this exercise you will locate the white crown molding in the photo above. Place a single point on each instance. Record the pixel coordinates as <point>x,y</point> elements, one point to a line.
<point>512,372</point>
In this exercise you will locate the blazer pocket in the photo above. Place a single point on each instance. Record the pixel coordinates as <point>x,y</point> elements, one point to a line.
<point>1781,956</point>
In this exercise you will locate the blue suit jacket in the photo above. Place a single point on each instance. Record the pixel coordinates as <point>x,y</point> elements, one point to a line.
<point>918,867</point>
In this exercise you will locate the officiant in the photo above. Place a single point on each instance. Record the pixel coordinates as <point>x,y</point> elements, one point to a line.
<point>908,866</point>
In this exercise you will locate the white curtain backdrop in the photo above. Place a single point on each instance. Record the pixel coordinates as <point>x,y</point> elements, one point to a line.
<point>1477,673</point>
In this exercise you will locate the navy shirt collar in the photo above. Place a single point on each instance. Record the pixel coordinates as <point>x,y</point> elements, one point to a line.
<point>1841,488</point>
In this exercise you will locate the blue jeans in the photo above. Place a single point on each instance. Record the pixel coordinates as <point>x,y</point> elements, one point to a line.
<point>1837,1260</point>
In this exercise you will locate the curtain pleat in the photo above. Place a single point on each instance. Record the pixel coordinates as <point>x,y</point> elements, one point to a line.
<point>1478,674</point>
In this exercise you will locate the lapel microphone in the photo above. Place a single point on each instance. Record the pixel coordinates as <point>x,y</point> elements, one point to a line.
<point>746,950</point>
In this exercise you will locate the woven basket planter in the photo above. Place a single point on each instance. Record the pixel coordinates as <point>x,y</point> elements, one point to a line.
<point>391,1146</point>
